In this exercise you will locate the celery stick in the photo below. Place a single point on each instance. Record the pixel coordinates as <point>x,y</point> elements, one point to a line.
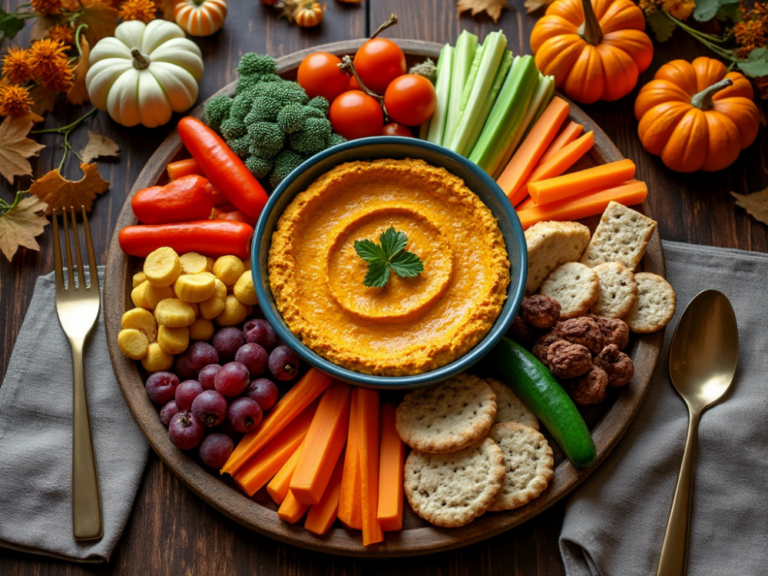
<point>463,55</point>
<point>544,101</point>
<point>436,125</point>
<point>466,92</point>
<point>506,115</point>
<point>476,112</point>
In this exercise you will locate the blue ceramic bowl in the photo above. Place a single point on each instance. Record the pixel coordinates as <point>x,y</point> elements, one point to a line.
<point>391,147</point>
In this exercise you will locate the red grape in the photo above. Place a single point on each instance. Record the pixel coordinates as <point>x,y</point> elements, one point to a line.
<point>254,357</point>
<point>215,449</point>
<point>227,341</point>
<point>161,387</point>
<point>168,411</point>
<point>263,391</point>
<point>283,363</point>
<point>206,376</point>
<point>244,414</point>
<point>260,332</point>
<point>186,392</point>
<point>194,359</point>
<point>210,408</point>
<point>185,431</point>
<point>231,380</point>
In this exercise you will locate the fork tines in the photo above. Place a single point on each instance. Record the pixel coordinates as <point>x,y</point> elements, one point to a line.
<point>68,250</point>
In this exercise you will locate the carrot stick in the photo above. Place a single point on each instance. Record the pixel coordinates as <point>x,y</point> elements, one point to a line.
<point>292,404</point>
<point>566,136</point>
<point>567,185</point>
<point>279,485</point>
<point>268,462</point>
<point>324,442</point>
<point>350,500</point>
<point>182,168</point>
<point>526,204</point>
<point>368,424</point>
<point>291,510</point>
<point>322,514</point>
<point>586,204</point>
<point>563,159</point>
<point>516,173</point>
<point>391,462</point>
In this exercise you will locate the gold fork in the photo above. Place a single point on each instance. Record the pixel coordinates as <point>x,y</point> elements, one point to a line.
<point>78,309</point>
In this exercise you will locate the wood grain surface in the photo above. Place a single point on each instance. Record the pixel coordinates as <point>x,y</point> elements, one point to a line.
<point>173,532</point>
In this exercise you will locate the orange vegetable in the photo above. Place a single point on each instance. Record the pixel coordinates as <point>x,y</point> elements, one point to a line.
<point>280,484</point>
<point>322,514</point>
<point>526,204</point>
<point>567,185</point>
<point>268,462</point>
<point>563,159</point>
<point>350,501</point>
<point>513,179</point>
<point>182,168</point>
<point>291,510</point>
<point>587,204</point>
<point>325,441</point>
<point>368,427</point>
<point>391,462</point>
<point>566,136</point>
<point>291,405</point>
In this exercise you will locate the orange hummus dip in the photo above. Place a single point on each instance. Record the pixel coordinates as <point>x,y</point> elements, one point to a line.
<point>411,325</point>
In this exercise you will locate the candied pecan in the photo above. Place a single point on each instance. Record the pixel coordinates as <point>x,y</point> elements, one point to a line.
<point>615,331</point>
<point>582,330</point>
<point>540,311</point>
<point>589,388</point>
<point>521,333</point>
<point>541,347</point>
<point>566,360</point>
<point>616,364</point>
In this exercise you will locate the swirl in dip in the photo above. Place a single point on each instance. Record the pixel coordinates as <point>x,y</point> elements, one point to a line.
<point>411,325</point>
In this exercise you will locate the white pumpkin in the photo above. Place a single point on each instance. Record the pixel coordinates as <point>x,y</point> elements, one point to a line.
<point>144,73</point>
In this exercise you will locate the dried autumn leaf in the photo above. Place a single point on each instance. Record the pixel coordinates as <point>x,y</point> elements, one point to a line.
<point>15,147</point>
<point>100,17</point>
<point>491,7</point>
<point>78,93</point>
<point>59,192</point>
<point>533,5</point>
<point>98,146</point>
<point>20,225</point>
<point>756,204</point>
<point>43,99</point>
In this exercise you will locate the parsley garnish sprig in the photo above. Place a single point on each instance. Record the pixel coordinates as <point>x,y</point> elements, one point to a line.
<point>390,255</point>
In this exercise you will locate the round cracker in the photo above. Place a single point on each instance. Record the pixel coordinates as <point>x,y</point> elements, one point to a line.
<point>509,407</point>
<point>447,417</point>
<point>451,490</point>
<point>618,290</point>
<point>528,462</point>
<point>575,286</point>
<point>655,304</point>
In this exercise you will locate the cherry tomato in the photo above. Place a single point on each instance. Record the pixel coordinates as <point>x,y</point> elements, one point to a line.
<point>395,129</point>
<point>353,83</point>
<point>410,99</point>
<point>354,114</point>
<point>319,75</point>
<point>378,62</point>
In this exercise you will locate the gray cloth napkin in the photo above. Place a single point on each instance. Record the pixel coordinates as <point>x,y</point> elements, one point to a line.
<point>36,438</point>
<point>615,523</point>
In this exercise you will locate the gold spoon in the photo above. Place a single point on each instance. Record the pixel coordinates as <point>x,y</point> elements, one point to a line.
<point>702,362</point>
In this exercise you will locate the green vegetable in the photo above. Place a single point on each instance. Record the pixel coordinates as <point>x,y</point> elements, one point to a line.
<point>266,139</point>
<point>313,138</point>
<point>390,255</point>
<point>541,392</point>
<point>426,69</point>
<point>506,115</point>
<point>217,110</point>
<point>251,64</point>
<point>435,127</point>
<point>259,167</point>
<point>285,163</point>
<point>463,55</point>
<point>336,139</point>
<point>292,118</point>
<point>232,129</point>
<point>550,83</point>
<point>321,104</point>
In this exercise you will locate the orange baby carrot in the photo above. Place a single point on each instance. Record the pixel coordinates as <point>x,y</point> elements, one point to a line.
<point>391,461</point>
<point>566,136</point>
<point>368,424</point>
<point>350,500</point>
<point>291,510</point>
<point>279,485</point>
<point>563,159</point>
<point>567,185</point>
<point>322,514</point>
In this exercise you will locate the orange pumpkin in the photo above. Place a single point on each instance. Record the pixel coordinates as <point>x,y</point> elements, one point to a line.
<point>308,14</point>
<point>696,116</point>
<point>595,50</point>
<point>200,17</point>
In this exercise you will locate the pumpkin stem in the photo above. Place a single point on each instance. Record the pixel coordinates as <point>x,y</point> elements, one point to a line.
<point>391,22</point>
<point>590,30</point>
<point>140,60</point>
<point>703,100</point>
<point>198,2</point>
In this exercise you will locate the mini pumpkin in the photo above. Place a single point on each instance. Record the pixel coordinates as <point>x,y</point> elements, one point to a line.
<point>308,14</point>
<point>144,73</point>
<point>595,50</point>
<point>200,17</point>
<point>696,115</point>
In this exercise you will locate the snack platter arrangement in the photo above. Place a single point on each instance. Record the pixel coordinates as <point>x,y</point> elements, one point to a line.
<point>396,439</point>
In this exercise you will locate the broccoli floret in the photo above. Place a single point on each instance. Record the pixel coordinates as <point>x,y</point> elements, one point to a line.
<point>263,110</point>
<point>259,167</point>
<point>284,92</point>
<point>232,129</point>
<point>240,146</point>
<point>314,112</point>
<point>426,69</point>
<point>241,105</point>
<point>256,64</point>
<point>266,139</point>
<point>271,78</point>
<point>321,104</point>
<point>247,83</point>
<point>286,162</point>
<point>336,139</point>
<point>217,110</point>
<point>292,118</point>
<point>313,138</point>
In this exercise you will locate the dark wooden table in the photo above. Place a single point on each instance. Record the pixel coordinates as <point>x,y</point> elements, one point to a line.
<point>171,531</point>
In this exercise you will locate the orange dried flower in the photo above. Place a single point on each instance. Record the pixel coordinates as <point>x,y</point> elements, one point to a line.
<point>46,7</point>
<point>752,31</point>
<point>143,10</point>
<point>62,33</point>
<point>14,101</point>
<point>49,64</point>
<point>17,68</point>
<point>650,6</point>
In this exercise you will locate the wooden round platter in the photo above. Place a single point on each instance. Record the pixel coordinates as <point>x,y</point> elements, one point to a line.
<point>607,422</point>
